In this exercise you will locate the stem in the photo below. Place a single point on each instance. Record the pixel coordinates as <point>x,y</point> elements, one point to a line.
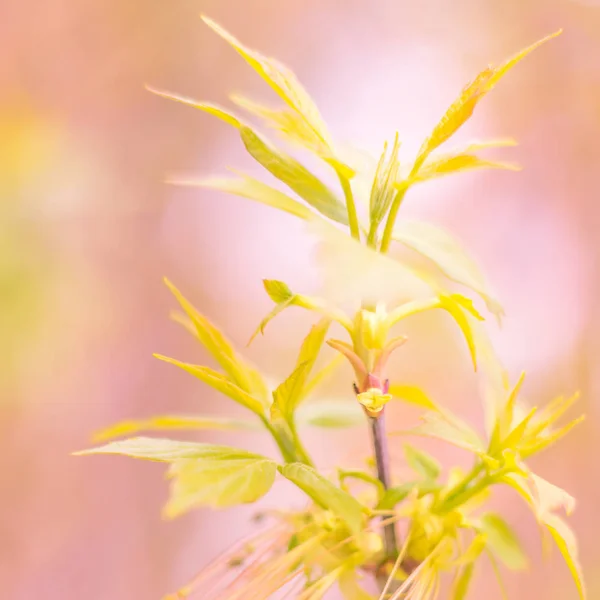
<point>290,447</point>
<point>386,240</point>
<point>380,449</point>
<point>352,215</point>
<point>463,490</point>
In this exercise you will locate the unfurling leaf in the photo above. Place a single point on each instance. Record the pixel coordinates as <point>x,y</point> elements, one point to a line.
<point>219,382</point>
<point>253,189</point>
<point>331,414</point>
<point>422,463</point>
<point>503,542</point>
<point>165,422</point>
<point>462,108</point>
<point>325,494</point>
<point>445,251</point>
<point>242,374</point>
<point>297,177</point>
<point>227,478</point>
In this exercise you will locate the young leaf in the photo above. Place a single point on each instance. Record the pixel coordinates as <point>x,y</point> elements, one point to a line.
<point>297,177</point>
<point>503,542</point>
<point>462,108</point>
<point>163,450</point>
<point>331,414</point>
<point>422,463</point>
<point>413,394</point>
<point>445,251</point>
<point>325,494</point>
<point>460,586</point>
<point>220,383</point>
<point>253,189</point>
<point>244,376</point>
<point>567,544</point>
<point>165,422</point>
<point>224,480</point>
<point>396,494</point>
<point>382,191</point>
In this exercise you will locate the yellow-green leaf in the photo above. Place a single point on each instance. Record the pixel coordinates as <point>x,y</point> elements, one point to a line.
<point>331,414</point>
<point>226,479</point>
<point>460,586</point>
<point>297,177</point>
<point>439,246</point>
<point>567,544</point>
<point>242,374</point>
<point>164,422</point>
<point>219,382</point>
<point>253,189</point>
<point>503,541</point>
<point>278,291</point>
<point>396,494</point>
<point>462,108</point>
<point>422,463</point>
<point>325,494</point>
<point>413,394</point>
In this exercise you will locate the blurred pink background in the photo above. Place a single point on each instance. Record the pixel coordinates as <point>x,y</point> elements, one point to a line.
<point>88,229</point>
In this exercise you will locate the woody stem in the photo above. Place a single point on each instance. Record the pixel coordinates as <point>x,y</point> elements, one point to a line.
<point>380,448</point>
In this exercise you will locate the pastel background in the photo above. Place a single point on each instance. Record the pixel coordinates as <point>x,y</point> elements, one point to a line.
<point>88,228</point>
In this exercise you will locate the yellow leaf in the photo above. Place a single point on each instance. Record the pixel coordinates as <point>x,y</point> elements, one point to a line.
<point>253,189</point>
<point>413,394</point>
<point>216,111</point>
<point>439,246</point>
<point>171,422</point>
<point>462,108</point>
<point>219,382</point>
<point>297,177</point>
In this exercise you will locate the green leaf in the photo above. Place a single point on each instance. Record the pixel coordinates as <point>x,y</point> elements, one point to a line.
<point>383,190</point>
<point>325,494</point>
<point>460,587</point>
<point>503,542</point>
<point>448,429</point>
<point>163,450</point>
<point>172,422</point>
<point>331,414</point>
<point>242,374</point>
<point>228,478</point>
<point>278,291</point>
<point>397,494</point>
<point>412,394</point>
<point>253,189</point>
<point>297,177</point>
<point>462,108</point>
<point>220,383</point>
<point>446,252</point>
<point>567,544</point>
<point>422,463</point>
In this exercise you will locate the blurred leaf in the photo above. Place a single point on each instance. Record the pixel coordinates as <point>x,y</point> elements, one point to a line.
<point>567,544</point>
<point>251,188</point>
<point>172,422</point>
<point>331,414</point>
<point>503,542</point>
<point>398,493</point>
<point>462,108</point>
<point>422,463</point>
<point>550,498</point>
<point>226,479</point>
<point>325,494</point>
<point>412,394</point>
<point>460,586</point>
<point>445,251</point>
<point>221,349</point>
<point>277,290</point>
<point>322,374</point>
<point>220,383</point>
<point>542,442</point>
<point>383,190</point>
<point>351,589</point>
<point>297,177</point>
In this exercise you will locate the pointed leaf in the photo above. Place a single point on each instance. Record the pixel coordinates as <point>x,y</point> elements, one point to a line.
<point>413,394</point>
<point>172,422</point>
<point>446,252</point>
<point>396,494</point>
<point>220,383</point>
<point>462,108</point>
<point>382,191</point>
<point>460,587</point>
<point>331,414</point>
<point>503,542</point>
<point>297,177</point>
<point>567,544</point>
<point>325,494</point>
<point>225,480</point>
<point>422,463</point>
<point>253,189</point>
